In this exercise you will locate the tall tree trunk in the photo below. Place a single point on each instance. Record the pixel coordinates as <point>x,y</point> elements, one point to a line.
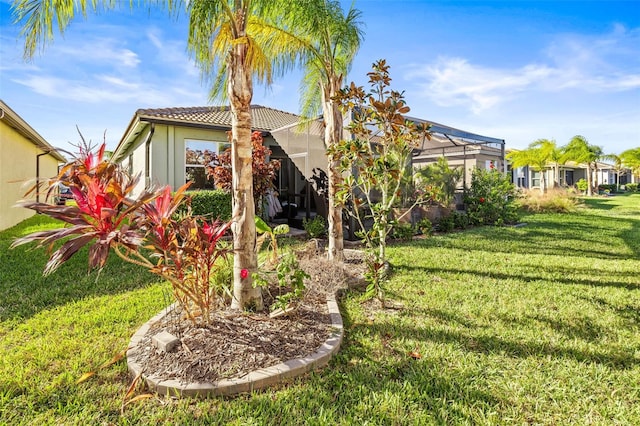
<point>589,186</point>
<point>240,92</point>
<point>333,135</point>
<point>543,180</point>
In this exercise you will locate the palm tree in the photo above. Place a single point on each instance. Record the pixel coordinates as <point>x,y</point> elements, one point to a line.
<point>617,166</point>
<point>329,40</point>
<point>238,38</point>
<point>631,159</point>
<point>554,155</point>
<point>537,156</point>
<point>581,151</point>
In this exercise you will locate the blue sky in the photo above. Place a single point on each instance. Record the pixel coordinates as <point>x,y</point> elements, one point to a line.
<point>515,70</point>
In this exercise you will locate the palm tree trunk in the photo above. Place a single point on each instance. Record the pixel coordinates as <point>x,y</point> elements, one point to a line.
<point>243,206</point>
<point>332,136</point>
<point>589,187</point>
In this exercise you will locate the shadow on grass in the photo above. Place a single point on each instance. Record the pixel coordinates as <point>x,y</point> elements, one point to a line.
<point>24,291</point>
<point>360,387</point>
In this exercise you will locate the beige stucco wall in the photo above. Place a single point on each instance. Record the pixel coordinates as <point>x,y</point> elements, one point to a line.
<point>17,171</point>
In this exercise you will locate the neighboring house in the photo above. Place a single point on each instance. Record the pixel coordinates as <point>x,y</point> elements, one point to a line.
<point>164,146</point>
<point>569,174</point>
<point>24,157</point>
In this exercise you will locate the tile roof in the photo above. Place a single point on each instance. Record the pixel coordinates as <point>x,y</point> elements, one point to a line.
<point>263,118</point>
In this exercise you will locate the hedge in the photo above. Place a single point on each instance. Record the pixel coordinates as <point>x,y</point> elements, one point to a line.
<point>210,203</point>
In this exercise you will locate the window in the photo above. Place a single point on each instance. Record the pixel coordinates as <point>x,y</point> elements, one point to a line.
<point>535,179</point>
<point>199,157</point>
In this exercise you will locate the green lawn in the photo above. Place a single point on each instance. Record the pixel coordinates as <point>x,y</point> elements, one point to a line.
<point>531,325</point>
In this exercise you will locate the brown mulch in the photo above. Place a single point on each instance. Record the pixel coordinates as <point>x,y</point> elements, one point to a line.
<point>237,343</point>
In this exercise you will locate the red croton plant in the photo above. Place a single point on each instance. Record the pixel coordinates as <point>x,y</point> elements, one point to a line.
<point>141,230</point>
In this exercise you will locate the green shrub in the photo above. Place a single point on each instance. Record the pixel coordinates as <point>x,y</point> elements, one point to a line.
<point>554,201</point>
<point>582,185</point>
<point>460,220</point>
<point>425,226</point>
<point>490,200</point>
<point>316,227</point>
<point>607,188</point>
<point>209,203</point>
<point>403,231</point>
<point>446,224</point>
<point>631,187</point>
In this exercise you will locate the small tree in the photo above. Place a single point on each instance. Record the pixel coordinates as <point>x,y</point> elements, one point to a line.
<point>376,158</point>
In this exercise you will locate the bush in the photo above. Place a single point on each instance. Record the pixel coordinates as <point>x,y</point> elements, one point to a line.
<point>403,231</point>
<point>446,224</point>
<point>460,220</point>
<point>582,185</point>
<point>316,227</point>
<point>209,203</point>
<point>425,226</point>
<point>607,188</point>
<point>631,187</point>
<point>554,201</point>
<point>491,198</point>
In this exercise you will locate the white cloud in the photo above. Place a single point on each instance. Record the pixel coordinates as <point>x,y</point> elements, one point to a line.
<point>96,51</point>
<point>574,62</point>
<point>454,81</point>
<point>172,52</point>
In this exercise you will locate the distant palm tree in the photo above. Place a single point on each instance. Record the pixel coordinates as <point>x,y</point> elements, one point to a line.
<point>329,40</point>
<point>631,159</point>
<point>554,154</point>
<point>537,156</point>
<point>581,151</point>
<point>233,41</point>
<point>617,166</point>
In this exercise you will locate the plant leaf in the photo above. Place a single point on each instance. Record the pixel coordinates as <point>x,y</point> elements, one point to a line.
<point>85,377</point>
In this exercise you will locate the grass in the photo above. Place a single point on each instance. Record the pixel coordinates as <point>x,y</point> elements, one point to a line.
<point>538,324</point>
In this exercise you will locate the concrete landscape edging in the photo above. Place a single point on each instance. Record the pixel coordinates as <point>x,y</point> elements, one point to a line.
<point>255,380</point>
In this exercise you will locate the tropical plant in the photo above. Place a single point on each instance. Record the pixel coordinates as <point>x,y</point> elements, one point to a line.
<point>105,217</point>
<point>490,199</point>
<point>271,235</point>
<point>376,168</point>
<point>581,151</point>
<point>442,178</point>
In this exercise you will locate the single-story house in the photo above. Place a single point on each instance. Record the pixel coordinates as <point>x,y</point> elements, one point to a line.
<point>25,157</point>
<point>569,174</point>
<point>165,146</point>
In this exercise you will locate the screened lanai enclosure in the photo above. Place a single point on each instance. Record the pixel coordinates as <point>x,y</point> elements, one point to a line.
<point>302,182</point>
